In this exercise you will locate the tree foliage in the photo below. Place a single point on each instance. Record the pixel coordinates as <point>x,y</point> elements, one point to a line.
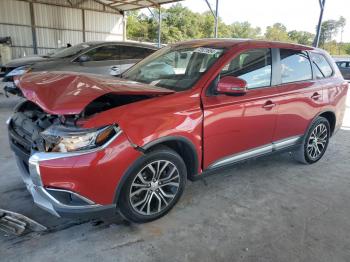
<point>180,23</point>
<point>276,32</point>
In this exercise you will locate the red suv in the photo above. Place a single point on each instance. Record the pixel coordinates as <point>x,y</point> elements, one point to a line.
<point>89,145</point>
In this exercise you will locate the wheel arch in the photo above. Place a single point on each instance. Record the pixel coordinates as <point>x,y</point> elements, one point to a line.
<point>181,145</point>
<point>330,116</point>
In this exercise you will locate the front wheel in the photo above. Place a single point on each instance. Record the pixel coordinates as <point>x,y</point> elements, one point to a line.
<point>314,143</point>
<point>154,184</point>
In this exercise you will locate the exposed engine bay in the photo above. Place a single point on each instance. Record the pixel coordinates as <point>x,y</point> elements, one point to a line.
<point>108,101</point>
<point>29,124</point>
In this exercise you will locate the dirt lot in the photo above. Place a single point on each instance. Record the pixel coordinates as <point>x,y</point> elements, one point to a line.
<point>270,209</point>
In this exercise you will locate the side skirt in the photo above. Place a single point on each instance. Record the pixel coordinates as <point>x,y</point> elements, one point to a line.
<point>284,145</point>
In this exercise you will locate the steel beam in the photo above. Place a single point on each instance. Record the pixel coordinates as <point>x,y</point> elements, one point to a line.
<point>32,23</point>
<point>215,15</point>
<point>159,27</point>
<point>159,24</point>
<point>319,26</point>
<point>216,19</point>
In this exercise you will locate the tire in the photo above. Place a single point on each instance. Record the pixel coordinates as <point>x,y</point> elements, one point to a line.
<point>143,199</point>
<point>317,137</point>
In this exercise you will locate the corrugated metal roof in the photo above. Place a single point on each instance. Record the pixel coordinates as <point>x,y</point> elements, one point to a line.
<point>14,12</point>
<point>57,17</point>
<point>107,5</point>
<point>54,38</point>
<point>125,5</point>
<point>103,22</point>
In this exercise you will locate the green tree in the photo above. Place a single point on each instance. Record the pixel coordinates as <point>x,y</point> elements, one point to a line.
<point>301,37</point>
<point>276,32</point>
<point>244,30</point>
<point>330,29</point>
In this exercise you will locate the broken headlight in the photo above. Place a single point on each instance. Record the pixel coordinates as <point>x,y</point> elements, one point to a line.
<point>66,139</point>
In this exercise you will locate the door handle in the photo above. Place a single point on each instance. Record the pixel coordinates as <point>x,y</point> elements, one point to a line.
<point>316,96</point>
<point>269,105</point>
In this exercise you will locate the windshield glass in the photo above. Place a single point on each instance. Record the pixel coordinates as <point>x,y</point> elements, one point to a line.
<point>177,68</point>
<point>71,51</point>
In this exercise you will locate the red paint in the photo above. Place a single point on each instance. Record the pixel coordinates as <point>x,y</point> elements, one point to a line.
<point>232,85</point>
<point>217,126</point>
<point>64,93</point>
<point>93,175</point>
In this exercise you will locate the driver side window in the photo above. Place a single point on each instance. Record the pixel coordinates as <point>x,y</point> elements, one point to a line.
<point>253,66</point>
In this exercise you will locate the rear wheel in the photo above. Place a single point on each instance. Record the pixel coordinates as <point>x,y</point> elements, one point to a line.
<point>154,185</point>
<point>314,143</point>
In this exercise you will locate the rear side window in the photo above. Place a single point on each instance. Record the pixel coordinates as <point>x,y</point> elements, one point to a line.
<point>109,52</point>
<point>132,52</point>
<point>321,66</point>
<point>295,66</point>
<point>254,66</point>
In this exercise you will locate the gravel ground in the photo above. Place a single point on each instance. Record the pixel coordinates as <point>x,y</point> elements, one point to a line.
<point>270,209</point>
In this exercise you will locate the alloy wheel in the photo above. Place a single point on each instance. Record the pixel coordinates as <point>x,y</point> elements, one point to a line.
<point>154,187</point>
<point>317,141</point>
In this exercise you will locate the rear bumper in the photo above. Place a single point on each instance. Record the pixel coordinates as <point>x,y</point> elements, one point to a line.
<point>61,203</point>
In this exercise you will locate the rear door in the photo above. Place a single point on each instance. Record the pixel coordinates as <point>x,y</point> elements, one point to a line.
<point>300,95</point>
<point>235,124</point>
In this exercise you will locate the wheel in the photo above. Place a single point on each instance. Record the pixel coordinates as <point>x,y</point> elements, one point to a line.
<point>315,142</point>
<point>153,186</point>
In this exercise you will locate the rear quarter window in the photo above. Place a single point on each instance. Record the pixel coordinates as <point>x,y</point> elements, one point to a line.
<point>321,66</point>
<point>133,52</point>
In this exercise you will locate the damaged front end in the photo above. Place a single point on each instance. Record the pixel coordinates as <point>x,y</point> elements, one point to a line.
<point>60,159</point>
<point>37,137</point>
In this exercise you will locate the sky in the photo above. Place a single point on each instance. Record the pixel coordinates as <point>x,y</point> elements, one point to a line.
<point>294,14</point>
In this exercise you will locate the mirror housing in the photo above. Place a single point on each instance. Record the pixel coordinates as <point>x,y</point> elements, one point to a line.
<point>230,85</point>
<point>84,58</point>
<point>115,71</point>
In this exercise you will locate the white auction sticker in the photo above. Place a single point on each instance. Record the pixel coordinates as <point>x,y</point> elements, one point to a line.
<point>206,50</point>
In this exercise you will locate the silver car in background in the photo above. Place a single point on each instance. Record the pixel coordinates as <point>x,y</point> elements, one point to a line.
<point>90,57</point>
<point>344,67</point>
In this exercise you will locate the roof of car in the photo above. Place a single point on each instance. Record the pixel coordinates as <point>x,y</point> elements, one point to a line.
<point>230,42</point>
<point>129,43</point>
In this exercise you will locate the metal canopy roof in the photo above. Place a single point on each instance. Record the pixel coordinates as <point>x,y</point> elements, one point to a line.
<point>126,5</point>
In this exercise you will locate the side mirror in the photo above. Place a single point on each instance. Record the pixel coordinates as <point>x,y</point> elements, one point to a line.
<point>115,71</point>
<point>84,58</point>
<point>230,85</point>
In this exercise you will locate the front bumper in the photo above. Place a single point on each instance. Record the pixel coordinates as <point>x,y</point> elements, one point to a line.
<point>58,202</point>
<point>74,184</point>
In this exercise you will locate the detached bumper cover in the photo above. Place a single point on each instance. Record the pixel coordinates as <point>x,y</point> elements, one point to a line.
<point>48,199</point>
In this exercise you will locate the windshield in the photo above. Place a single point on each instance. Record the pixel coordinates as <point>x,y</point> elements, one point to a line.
<point>70,51</point>
<point>176,68</point>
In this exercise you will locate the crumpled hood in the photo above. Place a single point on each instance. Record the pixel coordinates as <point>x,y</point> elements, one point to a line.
<point>64,93</point>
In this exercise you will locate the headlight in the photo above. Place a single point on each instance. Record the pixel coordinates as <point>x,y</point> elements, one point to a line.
<point>64,139</point>
<point>18,71</point>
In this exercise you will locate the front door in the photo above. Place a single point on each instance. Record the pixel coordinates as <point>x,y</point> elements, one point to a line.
<point>241,125</point>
